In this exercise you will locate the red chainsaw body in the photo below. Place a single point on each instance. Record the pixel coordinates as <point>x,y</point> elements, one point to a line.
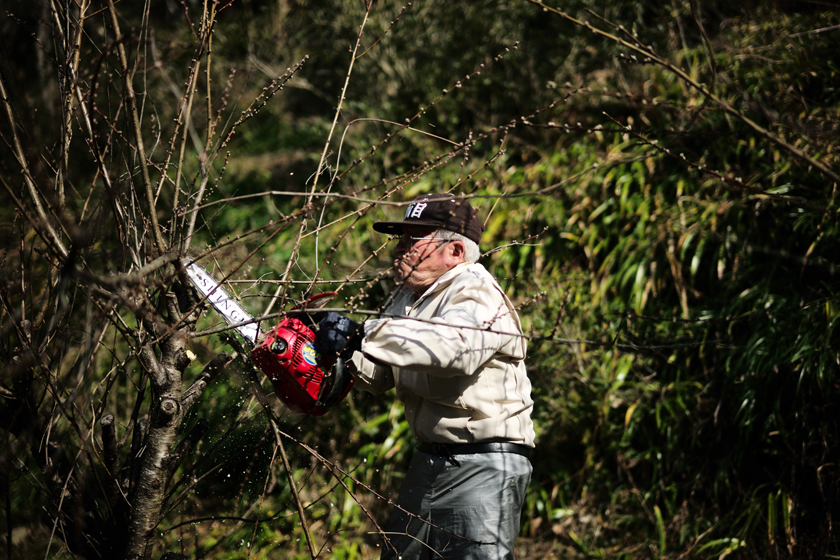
<point>290,357</point>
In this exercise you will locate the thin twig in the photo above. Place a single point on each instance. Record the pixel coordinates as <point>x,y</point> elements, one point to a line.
<point>134,115</point>
<point>27,176</point>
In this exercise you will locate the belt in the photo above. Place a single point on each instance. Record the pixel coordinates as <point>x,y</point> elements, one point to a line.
<point>450,449</point>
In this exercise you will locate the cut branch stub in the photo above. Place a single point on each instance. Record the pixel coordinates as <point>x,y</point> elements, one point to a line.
<point>169,407</point>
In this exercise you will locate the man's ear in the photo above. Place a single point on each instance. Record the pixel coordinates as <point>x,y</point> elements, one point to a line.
<point>456,251</point>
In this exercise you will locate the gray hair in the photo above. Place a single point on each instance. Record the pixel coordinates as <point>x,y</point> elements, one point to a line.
<point>471,250</point>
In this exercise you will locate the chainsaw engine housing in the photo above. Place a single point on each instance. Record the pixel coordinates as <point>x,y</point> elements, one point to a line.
<point>290,357</point>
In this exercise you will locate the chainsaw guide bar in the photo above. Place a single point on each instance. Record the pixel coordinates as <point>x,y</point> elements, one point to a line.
<point>222,302</point>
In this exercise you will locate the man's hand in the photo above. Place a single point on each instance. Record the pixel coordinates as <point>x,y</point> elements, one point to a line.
<point>338,336</point>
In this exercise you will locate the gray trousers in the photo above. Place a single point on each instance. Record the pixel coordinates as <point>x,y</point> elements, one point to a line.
<point>466,508</point>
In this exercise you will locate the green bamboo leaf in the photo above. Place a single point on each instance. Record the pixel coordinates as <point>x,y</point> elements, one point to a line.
<point>724,546</point>
<point>639,287</point>
<point>695,260</point>
<point>600,210</point>
<point>628,415</point>
<point>686,244</point>
<point>578,541</point>
<point>780,190</point>
<point>771,519</point>
<point>660,529</point>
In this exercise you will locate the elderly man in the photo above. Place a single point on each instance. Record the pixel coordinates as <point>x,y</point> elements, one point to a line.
<point>451,344</point>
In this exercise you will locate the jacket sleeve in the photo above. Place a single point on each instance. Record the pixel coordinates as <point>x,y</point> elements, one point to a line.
<point>371,377</point>
<point>472,326</point>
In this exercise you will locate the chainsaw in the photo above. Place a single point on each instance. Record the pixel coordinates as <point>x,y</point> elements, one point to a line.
<point>288,354</point>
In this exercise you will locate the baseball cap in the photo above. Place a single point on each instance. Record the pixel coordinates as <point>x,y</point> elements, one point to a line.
<point>441,211</point>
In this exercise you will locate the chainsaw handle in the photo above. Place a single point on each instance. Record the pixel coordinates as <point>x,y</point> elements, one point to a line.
<point>342,380</point>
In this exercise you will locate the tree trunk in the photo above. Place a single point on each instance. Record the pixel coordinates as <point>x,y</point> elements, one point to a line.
<point>154,471</point>
<point>166,415</point>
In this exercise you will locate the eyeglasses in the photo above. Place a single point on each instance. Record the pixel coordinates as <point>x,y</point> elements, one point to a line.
<point>410,240</point>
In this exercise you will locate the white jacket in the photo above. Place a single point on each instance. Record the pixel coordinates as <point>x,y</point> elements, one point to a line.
<point>456,357</point>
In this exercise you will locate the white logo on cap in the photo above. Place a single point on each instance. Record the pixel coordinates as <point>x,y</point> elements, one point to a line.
<point>415,210</point>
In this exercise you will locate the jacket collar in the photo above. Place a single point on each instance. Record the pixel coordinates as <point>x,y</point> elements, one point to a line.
<point>444,280</point>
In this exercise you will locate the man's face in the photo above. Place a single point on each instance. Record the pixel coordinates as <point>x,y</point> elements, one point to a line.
<point>421,259</point>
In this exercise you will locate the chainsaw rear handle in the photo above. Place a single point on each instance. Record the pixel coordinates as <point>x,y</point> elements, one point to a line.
<point>340,383</point>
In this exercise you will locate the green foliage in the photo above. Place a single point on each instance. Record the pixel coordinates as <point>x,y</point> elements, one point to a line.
<point>675,268</point>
